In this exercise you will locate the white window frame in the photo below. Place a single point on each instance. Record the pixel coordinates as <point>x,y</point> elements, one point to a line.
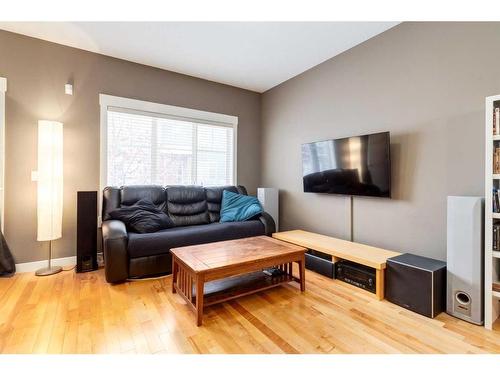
<point>108,102</point>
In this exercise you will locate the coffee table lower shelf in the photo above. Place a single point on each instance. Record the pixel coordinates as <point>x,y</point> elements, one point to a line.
<point>219,291</point>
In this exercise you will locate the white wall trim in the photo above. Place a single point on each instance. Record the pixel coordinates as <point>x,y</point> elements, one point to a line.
<point>33,266</point>
<point>107,102</point>
<point>3,90</point>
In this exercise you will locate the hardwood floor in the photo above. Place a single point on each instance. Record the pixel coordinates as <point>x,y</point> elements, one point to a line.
<point>81,313</point>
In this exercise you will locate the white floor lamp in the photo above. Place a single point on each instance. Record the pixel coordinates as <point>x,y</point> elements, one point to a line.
<point>50,187</point>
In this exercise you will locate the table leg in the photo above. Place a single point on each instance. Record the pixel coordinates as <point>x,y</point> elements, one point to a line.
<point>200,284</point>
<point>379,284</point>
<point>174,274</point>
<point>302,274</point>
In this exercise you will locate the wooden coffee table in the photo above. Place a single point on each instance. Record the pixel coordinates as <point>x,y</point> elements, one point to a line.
<point>216,272</point>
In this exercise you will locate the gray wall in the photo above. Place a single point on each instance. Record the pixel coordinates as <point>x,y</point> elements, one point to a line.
<point>423,82</point>
<point>36,72</point>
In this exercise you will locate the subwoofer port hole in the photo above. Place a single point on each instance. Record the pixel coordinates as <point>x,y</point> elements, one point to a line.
<point>462,298</point>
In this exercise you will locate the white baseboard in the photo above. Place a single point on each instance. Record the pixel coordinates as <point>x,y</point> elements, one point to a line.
<point>33,266</point>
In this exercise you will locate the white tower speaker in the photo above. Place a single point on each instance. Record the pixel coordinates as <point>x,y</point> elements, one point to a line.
<point>269,199</point>
<point>465,255</point>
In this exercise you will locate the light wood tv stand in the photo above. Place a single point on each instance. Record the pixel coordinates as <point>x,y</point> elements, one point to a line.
<point>340,249</point>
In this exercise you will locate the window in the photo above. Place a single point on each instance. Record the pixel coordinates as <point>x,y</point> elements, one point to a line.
<point>148,143</point>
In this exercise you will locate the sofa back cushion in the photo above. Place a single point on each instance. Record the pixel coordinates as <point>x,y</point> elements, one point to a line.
<point>134,193</point>
<point>187,205</point>
<point>214,199</point>
<point>114,197</point>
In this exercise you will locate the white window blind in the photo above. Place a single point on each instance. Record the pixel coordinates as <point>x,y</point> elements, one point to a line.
<point>149,148</point>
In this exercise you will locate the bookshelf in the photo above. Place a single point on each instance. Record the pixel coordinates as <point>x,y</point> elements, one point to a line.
<point>492,181</point>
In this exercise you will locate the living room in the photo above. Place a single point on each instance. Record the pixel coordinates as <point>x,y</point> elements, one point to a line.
<point>202,188</point>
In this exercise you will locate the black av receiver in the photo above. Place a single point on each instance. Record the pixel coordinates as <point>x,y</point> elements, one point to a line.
<point>356,274</point>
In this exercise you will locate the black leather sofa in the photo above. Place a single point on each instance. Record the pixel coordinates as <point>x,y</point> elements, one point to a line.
<point>193,209</point>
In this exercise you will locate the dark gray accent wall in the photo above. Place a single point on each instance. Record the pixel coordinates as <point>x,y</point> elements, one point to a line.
<point>36,72</point>
<point>426,84</point>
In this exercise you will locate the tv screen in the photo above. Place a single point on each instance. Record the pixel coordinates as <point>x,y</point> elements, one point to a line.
<point>358,165</point>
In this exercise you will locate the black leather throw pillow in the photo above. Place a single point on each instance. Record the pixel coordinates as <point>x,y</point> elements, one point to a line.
<point>142,217</point>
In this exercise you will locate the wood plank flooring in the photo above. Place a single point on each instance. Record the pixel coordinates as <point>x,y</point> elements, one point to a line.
<point>81,313</point>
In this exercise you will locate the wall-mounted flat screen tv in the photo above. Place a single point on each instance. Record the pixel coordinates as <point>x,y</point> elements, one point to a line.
<point>358,165</point>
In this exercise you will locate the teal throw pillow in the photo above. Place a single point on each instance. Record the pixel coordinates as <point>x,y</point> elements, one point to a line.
<point>238,207</point>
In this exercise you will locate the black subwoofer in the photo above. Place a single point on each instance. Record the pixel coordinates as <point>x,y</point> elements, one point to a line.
<point>416,283</point>
<point>86,231</point>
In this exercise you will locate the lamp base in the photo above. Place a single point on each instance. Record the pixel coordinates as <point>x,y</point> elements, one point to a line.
<point>47,271</point>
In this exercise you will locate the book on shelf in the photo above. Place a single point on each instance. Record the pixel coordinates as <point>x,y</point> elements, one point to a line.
<point>496,237</point>
<point>496,201</point>
<point>496,121</point>
<point>496,160</point>
<point>496,286</point>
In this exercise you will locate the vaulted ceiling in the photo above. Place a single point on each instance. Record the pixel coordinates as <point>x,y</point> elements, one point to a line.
<point>251,55</point>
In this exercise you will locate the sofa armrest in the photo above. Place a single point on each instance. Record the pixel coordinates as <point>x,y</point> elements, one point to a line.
<point>115,240</point>
<point>269,224</point>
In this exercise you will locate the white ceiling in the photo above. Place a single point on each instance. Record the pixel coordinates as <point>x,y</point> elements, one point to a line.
<point>251,55</point>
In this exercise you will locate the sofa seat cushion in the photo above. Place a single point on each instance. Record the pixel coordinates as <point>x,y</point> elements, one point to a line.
<point>148,244</point>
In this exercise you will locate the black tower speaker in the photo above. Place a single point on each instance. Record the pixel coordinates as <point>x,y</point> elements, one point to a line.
<point>86,231</point>
<point>416,283</point>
